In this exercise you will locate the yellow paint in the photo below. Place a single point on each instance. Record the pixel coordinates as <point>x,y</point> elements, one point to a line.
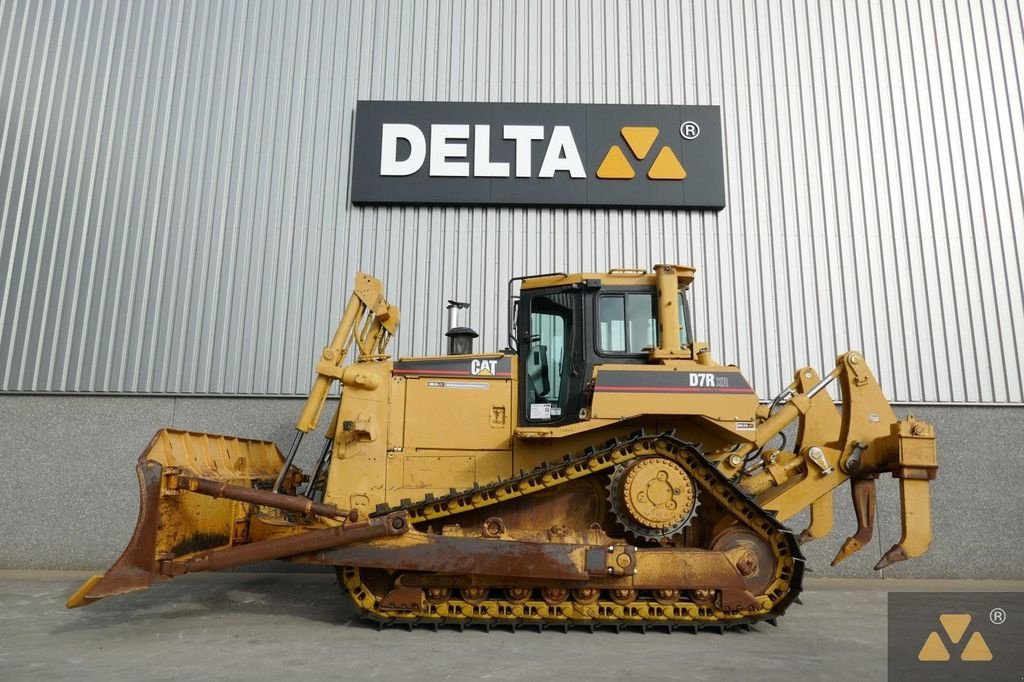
<point>976,649</point>
<point>955,625</point>
<point>933,649</point>
<point>615,166</point>
<point>666,166</point>
<point>640,139</point>
<point>406,437</point>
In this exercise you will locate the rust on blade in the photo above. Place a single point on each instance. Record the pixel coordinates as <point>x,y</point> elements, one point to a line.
<point>507,562</point>
<point>422,552</point>
<point>135,569</point>
<point>188,520</point>
<point>219,489</point>
<point>290,545</point>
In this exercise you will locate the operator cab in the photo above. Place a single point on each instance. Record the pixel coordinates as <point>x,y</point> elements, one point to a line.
<point>566,325</point>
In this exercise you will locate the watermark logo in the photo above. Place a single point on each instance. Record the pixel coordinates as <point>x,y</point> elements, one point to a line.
<point>954,625</point>
<point>955,636</point>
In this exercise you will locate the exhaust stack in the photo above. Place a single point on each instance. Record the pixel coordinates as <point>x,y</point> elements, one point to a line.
<point>460,338</point>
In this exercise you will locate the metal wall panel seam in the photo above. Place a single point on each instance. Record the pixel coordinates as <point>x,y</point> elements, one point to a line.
<point>206,293</point>
<point>911,208</point>
<point>61,204</point>
<point>223,327</point>
<point>986,292</point>
<point>261,343</point>
<point>200,220</point>
<point>895,322</point>
<point>9,194</point>
<point>95,233</point>
<point>86,217</point>
<point>967,245</point>
<point>40,164</point>
<point>133,208</point>
<point>60,67</point>
<point>141,372</point>
<point>1014,264</point>
<point>1007,333</point>
<point>941,294</point>
<point>957,359</point>
<point>104,226</point>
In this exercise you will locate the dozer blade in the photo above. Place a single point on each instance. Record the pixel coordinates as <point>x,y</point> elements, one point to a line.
<point>174,524</point>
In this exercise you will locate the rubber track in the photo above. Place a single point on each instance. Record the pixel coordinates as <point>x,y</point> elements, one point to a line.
<point>437,507</point>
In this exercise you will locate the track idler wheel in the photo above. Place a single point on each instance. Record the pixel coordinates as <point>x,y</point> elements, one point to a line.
<point>751,554</point>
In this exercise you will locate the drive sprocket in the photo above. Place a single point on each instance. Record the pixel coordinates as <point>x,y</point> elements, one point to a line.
<point>652,498</point>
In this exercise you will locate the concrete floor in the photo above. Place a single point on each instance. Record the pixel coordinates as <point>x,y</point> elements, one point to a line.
<point>266,626</point>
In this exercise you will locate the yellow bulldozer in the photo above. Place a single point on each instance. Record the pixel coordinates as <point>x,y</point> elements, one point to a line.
<point>601,471</point>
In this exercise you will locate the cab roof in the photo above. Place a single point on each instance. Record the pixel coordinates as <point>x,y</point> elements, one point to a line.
<point>614,277</point>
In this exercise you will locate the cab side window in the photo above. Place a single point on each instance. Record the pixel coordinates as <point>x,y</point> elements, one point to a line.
<point>626,323</point>
<point>684,321</point>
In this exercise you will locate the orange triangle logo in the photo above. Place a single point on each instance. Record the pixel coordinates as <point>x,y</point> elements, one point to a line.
<point>955,625</point>
<point>615,166</point>
<point>666,166</point>
<point>976,649</point>
<point>933,649</point>
<point>640,139</point>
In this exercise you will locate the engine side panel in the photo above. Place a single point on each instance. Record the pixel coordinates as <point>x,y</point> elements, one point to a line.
<point>720,395</point>
<point>457,425</point>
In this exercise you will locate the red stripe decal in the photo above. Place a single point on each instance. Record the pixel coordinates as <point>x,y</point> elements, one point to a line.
<point>672,389</point>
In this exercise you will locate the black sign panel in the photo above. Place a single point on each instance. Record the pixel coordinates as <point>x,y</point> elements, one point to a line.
<point>955,636</point>
<point>538,155</point>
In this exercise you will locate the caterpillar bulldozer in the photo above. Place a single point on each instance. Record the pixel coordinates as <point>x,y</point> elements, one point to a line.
<point>603,470</point>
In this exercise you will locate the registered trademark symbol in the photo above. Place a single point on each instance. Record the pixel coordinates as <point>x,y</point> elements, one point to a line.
<point>689,130</point>
<point>997,616</point>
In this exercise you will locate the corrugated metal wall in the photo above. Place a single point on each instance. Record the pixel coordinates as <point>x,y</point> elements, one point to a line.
<point>174,214</point>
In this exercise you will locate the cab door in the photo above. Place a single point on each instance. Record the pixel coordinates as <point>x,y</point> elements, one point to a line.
<point>551,361</point>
